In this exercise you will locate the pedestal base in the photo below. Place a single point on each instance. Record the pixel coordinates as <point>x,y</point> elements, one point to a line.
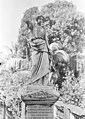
<point>38,102</point>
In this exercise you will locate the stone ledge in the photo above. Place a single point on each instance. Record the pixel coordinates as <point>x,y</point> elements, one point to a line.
<point>40,95</point>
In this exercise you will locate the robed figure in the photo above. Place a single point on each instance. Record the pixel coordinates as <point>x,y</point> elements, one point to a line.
<point>39,55</point>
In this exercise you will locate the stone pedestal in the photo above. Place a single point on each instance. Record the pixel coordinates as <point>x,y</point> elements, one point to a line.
<point>39,112</point>
<point>38,102</point>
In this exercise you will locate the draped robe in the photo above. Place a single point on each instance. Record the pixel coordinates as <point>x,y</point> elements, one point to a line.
<point>40,60</point>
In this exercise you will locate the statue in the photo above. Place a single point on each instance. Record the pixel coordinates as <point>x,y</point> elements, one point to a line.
<point>39,55</point>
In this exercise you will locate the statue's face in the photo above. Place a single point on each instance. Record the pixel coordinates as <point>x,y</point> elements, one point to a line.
<point>40,21</point>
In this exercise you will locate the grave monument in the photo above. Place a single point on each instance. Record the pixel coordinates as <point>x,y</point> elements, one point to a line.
<point>39,96</point>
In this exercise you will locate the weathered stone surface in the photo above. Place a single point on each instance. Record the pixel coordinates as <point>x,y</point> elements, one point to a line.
<point>74,109</point>
<point>39,112</point>
<point>38,102</point>
<point>42,95</point>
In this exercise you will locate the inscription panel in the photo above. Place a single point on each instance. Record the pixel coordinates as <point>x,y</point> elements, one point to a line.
<point>39,112</point>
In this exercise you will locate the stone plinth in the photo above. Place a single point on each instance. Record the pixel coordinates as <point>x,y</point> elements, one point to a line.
<point>38,102</point>
<point>39,112</point>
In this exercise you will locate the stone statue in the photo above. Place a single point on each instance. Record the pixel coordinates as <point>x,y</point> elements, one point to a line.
<point>39,55</point>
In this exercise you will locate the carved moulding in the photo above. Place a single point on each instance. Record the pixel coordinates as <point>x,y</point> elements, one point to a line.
<point>42,95</point>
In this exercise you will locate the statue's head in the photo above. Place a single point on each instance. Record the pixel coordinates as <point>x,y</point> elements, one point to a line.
<point>40,20</point>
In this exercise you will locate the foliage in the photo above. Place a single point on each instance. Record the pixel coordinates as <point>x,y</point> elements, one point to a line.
<point>10,83</point>
<point>65,25</point>
<point>69,26</point>
<point>73,90</point>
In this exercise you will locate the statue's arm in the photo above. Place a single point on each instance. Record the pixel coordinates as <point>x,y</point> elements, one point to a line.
<point>46,39</point>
